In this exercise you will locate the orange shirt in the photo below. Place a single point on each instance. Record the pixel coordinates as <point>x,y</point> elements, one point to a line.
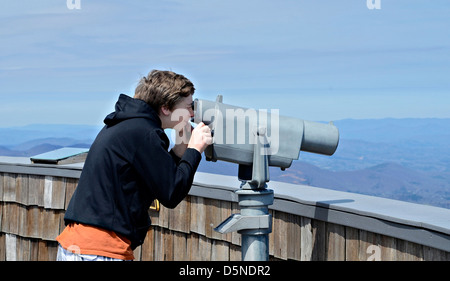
<point>90,240</point>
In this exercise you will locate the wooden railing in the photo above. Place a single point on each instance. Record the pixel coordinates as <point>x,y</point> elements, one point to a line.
<point>33,199</point>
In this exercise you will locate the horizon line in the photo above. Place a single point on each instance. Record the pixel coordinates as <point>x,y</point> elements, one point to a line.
<point>337,120</point>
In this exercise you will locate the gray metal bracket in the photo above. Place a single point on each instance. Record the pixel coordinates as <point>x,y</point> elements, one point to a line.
<point>238,222</point>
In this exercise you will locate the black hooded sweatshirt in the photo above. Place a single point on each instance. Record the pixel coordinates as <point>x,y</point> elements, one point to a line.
<point>127,167</point>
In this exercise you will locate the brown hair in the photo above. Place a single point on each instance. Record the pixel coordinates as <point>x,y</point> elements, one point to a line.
<point>163,88</point>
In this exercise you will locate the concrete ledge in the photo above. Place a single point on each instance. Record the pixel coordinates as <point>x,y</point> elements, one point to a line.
<point>422,224</point>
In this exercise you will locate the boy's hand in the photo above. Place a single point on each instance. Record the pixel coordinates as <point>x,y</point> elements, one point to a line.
<point>200,137</point>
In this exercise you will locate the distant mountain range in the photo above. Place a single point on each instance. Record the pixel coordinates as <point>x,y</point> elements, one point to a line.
<point>38,146</point>
<point>15,137</point>
<point>388,180</point>
<point>35,139</point>
<point>405,159</point>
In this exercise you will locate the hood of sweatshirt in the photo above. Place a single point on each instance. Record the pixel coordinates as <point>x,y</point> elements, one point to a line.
<point>127,108</point>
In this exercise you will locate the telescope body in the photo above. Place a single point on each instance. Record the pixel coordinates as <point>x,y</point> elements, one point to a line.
<point>236,131</point>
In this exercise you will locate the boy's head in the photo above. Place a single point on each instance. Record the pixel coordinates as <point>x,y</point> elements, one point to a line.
<point>163,89</point>
<point>169,94</point>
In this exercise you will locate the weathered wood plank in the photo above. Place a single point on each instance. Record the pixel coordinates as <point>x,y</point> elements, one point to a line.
<point>369,246</point>
<point>13,218</point>
<point>294,237</point>
<point>306,244</point>
<point>336,242</point>
<point>22,189</point>
<point>180,217</point>
<point>35,191</point>
<point>1,216</point>
<point>212,218</point>
<point>167,240</point>
<point>22,221</point>
<point>235,252</point>
<point>433,254</point>
<point>48,191</point>
<point>319,241</point>
<point>388,248</point>
<point>198,215</point>
<point>41,222</point>
<point>5,216</point>
<point>408,251</point>
<point>9,187</point>
<point>62,224</point>
<point>11,247</point>
<point>192,247</point>
<point>58,193</point>
<point>2,246</point>
<point>24,246</point>
<point>180,252</point>
<point>204,248</point>
<point>1,187</point>
<point>147,248</point>
<point>163,217</point>
<point>220,251</point>
<point>33,219</point>
<point>54,193</point>
<point>51,220</point>
<point>280,234</point>
<point>44,251</point>
<point>158,253</point>
<point>71,185</point>
<point>34,250</point>
<point>351,244</point>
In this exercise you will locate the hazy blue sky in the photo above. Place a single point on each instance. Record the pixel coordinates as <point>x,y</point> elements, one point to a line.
<point>317,60</point>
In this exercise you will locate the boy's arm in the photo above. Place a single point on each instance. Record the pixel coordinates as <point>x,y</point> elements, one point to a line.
<point>168,180</point>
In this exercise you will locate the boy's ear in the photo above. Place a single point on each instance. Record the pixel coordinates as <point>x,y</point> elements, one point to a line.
<point>165,110</point>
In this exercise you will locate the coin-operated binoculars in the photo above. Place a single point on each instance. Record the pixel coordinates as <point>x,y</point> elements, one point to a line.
<point>257,139</point>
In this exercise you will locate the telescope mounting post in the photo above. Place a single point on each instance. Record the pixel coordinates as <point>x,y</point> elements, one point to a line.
<point>254,222</point>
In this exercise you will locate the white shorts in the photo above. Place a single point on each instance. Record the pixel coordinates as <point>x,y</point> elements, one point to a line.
<point>65,255</point>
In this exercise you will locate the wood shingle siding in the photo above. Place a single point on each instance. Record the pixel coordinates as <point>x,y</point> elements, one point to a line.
<point>32,209</point>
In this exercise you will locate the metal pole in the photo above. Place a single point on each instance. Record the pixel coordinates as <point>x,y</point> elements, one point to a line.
<point>255,242</point>
<point>254,222</point>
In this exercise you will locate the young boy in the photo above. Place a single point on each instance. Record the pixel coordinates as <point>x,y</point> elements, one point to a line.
<point>129,165</point>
